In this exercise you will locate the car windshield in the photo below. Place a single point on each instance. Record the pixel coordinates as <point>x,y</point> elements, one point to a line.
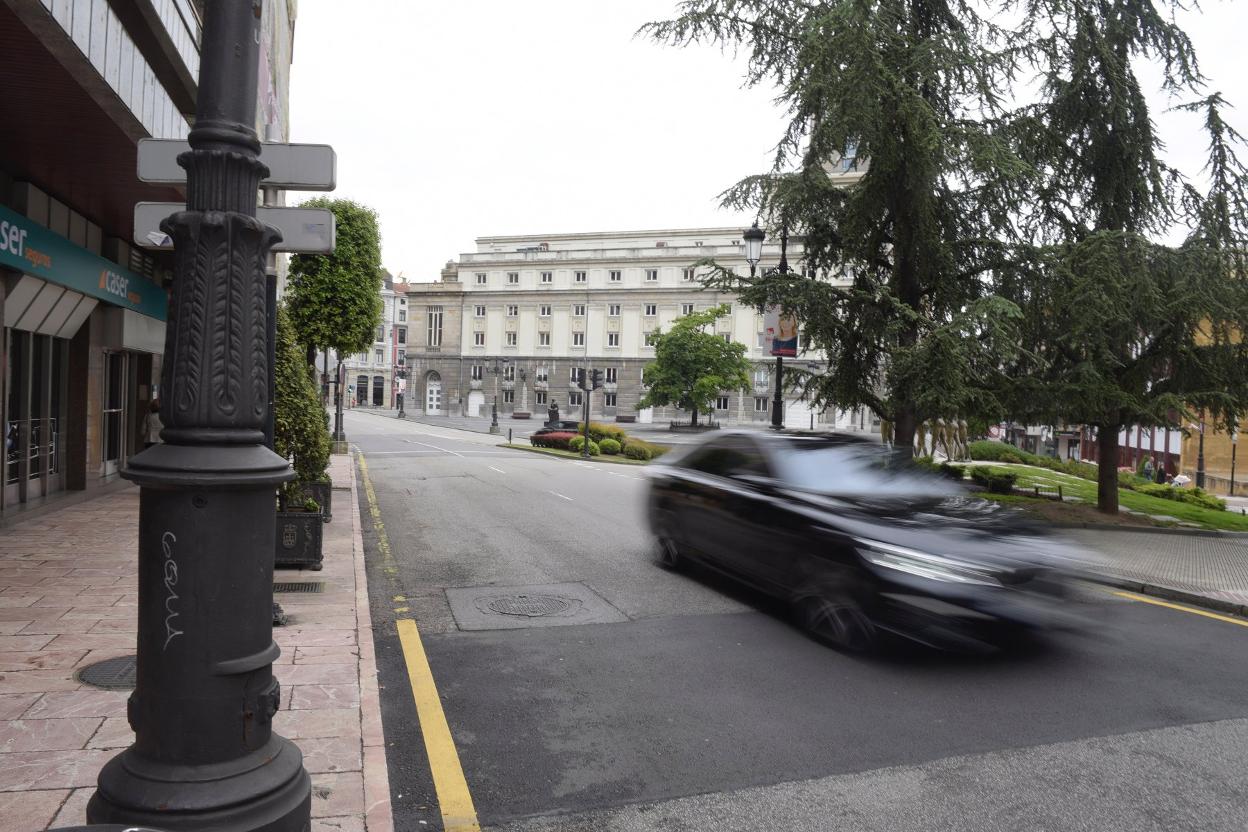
<point>856,471</point>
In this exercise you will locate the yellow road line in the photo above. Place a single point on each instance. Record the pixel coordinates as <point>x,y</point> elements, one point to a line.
<point>1154,601</point>
<point>454,800</point>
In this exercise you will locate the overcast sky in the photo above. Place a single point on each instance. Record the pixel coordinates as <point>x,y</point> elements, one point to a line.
<point>473,118</point>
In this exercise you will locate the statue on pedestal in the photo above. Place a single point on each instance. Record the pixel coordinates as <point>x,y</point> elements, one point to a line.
<point>552,414</point>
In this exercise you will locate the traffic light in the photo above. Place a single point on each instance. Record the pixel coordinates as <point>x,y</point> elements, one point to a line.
<point>580,378</point>
<point>596,378</point>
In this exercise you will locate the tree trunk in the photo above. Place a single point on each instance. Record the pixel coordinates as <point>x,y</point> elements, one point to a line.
<point>310,353</point>
<point>694,423</point>
<point>1107,468</point>
<point>903,433</point>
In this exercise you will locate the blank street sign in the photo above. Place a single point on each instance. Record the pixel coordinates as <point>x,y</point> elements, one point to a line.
<point>304,230</point>
<point>292,167</point>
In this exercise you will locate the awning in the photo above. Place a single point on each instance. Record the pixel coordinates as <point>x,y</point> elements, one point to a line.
<point>44,308</point>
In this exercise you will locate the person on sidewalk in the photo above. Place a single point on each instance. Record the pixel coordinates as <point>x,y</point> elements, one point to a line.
<point>152,426</point>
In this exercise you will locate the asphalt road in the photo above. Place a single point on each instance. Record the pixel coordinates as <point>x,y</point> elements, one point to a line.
<point>695,706</point>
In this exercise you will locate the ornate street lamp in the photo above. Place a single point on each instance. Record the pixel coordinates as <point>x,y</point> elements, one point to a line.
<point>401,373</point>
<point>500,364</point>
<point>754,237</point>
<point>205,755</point>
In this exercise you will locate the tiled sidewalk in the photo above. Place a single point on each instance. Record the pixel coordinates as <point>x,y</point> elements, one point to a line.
<point>1212,567</point>
<point>68,598</point>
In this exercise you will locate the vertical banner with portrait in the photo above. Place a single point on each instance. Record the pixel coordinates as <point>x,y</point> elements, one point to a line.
<point>780,332</point>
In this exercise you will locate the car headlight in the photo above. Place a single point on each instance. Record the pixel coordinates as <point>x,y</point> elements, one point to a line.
<point>923,564</point>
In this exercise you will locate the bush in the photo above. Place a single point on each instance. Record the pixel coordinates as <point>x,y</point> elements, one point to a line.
<point>637,450</point>
<point>558,439</point>
<point>953,472</point>
<point>299,432</point>
<point>1194,496</point>
<point>578,442</point>
<point>609,446</point>
<point>988,450</point>
<point>599,431</point>
<point>994,480</point>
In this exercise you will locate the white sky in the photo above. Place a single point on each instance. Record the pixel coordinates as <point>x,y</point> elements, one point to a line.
<point>462,119</point>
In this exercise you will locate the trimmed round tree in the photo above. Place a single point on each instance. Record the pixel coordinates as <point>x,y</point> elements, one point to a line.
<point>335,299</point>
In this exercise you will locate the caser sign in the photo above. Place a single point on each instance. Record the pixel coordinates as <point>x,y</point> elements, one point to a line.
<point>32,249</point>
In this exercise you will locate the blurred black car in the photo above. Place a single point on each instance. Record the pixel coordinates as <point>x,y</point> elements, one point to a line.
<point>858,541</point>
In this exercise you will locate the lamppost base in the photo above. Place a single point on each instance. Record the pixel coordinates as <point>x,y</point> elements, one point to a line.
<point>495,429</point>
<point>265,791</point>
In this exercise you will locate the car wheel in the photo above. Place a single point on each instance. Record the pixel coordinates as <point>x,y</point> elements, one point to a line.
<point>838,622</point>
<point>669,554</point>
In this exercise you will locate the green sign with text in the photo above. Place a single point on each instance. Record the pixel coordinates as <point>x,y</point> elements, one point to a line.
<point>28,247</point>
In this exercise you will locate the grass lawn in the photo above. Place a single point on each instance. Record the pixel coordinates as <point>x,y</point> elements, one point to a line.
<point>1085,511</point>
<point>617,459</point>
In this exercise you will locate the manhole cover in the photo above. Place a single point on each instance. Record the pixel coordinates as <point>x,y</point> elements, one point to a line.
<point>299,586</point>
<point>530,606</point>
<point>110,674</point>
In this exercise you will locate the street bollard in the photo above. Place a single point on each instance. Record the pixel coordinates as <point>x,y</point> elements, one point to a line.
<point>508,436</point>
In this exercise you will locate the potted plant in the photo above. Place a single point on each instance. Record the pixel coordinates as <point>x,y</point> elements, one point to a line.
<point>300,435</point>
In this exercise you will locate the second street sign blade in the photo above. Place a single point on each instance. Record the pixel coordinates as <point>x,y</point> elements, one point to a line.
<point>292,167</point>
<point>304,230</point>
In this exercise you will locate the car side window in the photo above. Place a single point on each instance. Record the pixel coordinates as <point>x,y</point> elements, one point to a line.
<point>731,456</point>
<point>748,458</point>
<point>715,458</point>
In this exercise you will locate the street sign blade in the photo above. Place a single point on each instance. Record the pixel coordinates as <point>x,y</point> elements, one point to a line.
<point>304,230</point>
<point>292,167</point>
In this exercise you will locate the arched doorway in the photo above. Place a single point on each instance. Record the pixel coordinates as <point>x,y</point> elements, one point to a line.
<point>476,401</point>
<point>433,394</point>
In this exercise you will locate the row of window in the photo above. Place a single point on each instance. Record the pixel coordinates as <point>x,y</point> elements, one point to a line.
<point>576,399</point>
<point>511,339</point>
<point>578,310</point>
<point>613,275</point>
<point>508,372</point>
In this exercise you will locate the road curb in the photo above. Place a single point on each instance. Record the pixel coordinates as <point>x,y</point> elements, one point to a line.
<point>378,811</point>
<point>1170,594</point>
<point>1106,527</point>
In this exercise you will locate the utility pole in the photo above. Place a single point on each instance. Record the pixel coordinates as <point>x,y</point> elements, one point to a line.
<point>205,755</point>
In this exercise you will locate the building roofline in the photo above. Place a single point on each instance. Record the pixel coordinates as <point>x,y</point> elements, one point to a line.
<point>581,235</point>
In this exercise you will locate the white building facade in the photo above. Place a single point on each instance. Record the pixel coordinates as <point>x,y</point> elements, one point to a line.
<point>534,309</point>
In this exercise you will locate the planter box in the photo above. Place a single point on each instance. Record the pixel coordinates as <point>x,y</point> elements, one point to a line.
<point>300,540</point>
<point>322,492</point>
<point>521,414</point>
<point>626,418</point>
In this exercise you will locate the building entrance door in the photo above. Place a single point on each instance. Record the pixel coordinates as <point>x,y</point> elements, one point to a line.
<point>433,394</point>
<point>379,391</point>
<point>113,414</point>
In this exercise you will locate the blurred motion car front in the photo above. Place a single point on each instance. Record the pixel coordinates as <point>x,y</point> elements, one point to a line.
<point>858,541</point>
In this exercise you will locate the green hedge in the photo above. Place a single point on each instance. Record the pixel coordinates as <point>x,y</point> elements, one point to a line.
<point>640,449</point>
<point>609,446</point>
<point>599,431</point>
<point>578,442</point>
<point>1195,496</point>
<point>994,480</point>
<point>953,472</point>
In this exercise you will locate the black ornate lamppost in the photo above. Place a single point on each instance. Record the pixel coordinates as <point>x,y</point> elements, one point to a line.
<point>205,755</point>
<point>500,365</point>
<point>754,237</point>
<point>401,373</point>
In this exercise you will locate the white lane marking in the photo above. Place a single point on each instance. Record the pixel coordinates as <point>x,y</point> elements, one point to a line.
<point>436,448</point>
<point>557,494</point>
<point>499,470</point>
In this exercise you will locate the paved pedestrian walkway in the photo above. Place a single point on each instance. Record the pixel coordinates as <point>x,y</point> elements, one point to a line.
<point>1212,567</point>
<point>68,598</point>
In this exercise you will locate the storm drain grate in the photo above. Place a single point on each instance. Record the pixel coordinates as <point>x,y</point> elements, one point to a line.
<point>110,674</point>
<point>299,586</point>
<point>529,605</point>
